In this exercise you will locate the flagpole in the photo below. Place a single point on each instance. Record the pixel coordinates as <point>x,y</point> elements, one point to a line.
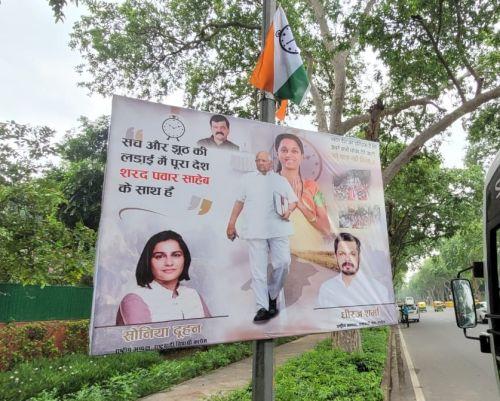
<point>267,104</point>
<point>263,350</point>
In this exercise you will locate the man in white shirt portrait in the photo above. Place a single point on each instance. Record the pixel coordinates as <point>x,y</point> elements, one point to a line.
<point>266,200</point>
<point>351,287</point>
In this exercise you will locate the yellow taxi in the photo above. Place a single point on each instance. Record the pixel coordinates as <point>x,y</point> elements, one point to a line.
<point>422,306</point>
<point>438,306</point>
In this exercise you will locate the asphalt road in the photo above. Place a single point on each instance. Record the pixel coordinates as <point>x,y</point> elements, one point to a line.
<point>448,365</point>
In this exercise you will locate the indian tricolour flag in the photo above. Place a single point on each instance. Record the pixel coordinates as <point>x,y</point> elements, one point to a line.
<point>280,69</point>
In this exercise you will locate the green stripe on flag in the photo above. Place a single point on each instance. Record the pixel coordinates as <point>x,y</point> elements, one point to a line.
<point>295,87</point>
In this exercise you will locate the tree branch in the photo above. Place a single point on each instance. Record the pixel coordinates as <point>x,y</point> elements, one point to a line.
<point>317,98</point>
<point>403,223</point>
<point>339,66</point>
<point>326,35</point>
<point>232,24</point>
<point>458,40</point>
<point>440,56</point>
<point>440,19</point>
<point>365,118</point>
<point>203,36</point>
<point>439,126</point>
<point>366,11</point>
<point>339,61</point>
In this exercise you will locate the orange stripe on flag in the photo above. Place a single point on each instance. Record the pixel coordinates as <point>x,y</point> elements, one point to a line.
<point>281,112</point>
<point>263,75</point>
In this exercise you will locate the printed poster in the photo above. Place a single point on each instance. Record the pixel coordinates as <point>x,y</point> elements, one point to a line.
<point>218,229</point>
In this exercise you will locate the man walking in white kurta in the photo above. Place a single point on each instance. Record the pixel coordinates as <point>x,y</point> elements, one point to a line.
<point>266,230</point>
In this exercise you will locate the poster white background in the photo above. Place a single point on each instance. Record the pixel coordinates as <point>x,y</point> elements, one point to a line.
<point>199,211</point>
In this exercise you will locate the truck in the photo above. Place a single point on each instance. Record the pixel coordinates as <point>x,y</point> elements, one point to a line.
<point>489,269</point>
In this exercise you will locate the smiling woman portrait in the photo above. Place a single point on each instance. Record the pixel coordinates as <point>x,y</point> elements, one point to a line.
<point>160,296</point>
<point>311,222</point>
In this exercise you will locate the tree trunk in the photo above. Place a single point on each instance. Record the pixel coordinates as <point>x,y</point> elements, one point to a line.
<point>347,340</point>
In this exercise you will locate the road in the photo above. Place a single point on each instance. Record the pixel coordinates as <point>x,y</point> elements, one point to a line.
<point>449,366</point>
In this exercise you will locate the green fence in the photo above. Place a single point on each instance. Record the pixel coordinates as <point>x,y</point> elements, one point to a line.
<point>30,303</point>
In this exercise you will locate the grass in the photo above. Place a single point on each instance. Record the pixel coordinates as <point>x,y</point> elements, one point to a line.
<point>68,373</point>
<point>330,374</point>
<point>113,377</point>
<point>321,374</point>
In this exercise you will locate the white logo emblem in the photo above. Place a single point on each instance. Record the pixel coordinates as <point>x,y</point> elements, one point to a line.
<point>497,188</point>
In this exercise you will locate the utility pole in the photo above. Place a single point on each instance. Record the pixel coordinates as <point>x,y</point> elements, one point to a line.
<point>263,350</point>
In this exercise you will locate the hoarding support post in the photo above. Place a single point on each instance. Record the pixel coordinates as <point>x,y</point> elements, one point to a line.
<point>263,358</point>
<point>262,370</point>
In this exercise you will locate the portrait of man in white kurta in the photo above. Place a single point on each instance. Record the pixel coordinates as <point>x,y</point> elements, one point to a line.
<point>266,200</point>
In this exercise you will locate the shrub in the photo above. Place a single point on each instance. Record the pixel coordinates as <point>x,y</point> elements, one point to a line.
<point>76,337</point>
<point>26,342</point>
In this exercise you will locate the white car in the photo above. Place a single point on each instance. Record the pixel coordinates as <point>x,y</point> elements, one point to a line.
<point>413,313</point>
<point>481,310</point>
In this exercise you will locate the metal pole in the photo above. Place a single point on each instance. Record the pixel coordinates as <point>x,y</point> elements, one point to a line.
<point>263,370</point>
<point>267,106</point>
<point>263,358</point>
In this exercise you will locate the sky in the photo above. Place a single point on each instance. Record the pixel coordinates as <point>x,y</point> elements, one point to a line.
<point>37,75</point>
<point>38,80</point>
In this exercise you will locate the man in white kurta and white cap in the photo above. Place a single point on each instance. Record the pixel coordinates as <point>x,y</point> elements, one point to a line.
<point>266,229</point>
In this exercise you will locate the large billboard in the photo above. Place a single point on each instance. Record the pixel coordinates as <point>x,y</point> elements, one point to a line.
<point>218,229</point>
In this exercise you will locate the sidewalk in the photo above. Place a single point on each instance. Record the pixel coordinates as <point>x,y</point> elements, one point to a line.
<point>234,376</point>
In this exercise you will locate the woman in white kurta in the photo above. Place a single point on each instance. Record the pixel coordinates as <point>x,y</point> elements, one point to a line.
<point>160,296</point>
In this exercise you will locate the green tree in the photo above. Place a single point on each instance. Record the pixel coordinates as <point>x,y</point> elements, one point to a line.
<point>430,281</point>
<point>425,203</point>
<point>148,49</point>
<point>451,255</point>
<point>84,154</point>
<point>462,244</point>
<point>58,8</point>
<point>484,136</point>
<point>49,216</point>
<point>426,52</point>
<point>35,247</point>
<point>24,151</point>
<point>87,142</point>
